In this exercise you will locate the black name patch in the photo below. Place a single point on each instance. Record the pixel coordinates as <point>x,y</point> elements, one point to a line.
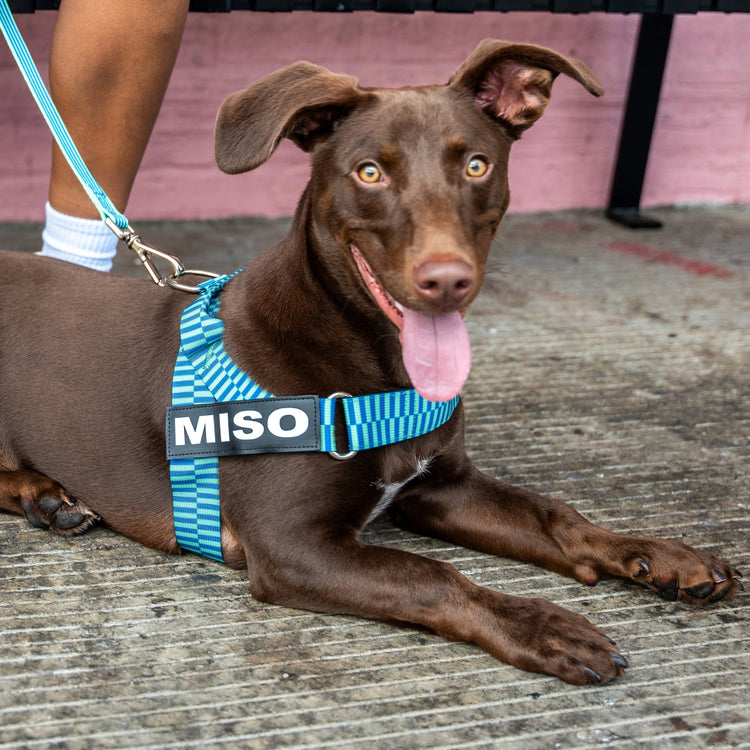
<point>266,425</point>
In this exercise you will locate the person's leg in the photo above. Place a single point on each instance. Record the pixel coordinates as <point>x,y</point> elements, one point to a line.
<point>110,63</point>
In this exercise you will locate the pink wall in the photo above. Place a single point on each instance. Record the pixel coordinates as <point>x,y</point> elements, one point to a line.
<point>701,149</point>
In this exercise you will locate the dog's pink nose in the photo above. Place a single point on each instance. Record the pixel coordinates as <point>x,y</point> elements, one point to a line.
<point>444,283</point>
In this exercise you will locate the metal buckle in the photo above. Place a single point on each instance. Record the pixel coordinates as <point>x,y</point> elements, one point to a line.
<point>335,454</point>
<point>145,250</point>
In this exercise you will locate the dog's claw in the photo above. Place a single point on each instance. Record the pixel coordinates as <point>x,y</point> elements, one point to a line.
<point>718,576</point>
<point>643,569</point>
<point>621,661</point>
<point>593,676</point>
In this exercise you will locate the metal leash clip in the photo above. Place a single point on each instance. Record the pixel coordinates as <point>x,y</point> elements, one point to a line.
<point>145,250</point>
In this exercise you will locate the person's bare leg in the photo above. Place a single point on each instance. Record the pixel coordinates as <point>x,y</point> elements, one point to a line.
<point>110,63</point>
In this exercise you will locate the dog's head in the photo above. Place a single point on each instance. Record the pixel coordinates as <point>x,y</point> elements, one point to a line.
<point>408,185</point>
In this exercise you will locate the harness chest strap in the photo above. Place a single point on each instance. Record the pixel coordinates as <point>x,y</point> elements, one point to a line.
<point>208,389</point>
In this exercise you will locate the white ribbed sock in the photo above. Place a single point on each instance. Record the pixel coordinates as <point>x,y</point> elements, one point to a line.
<point>87,242</point>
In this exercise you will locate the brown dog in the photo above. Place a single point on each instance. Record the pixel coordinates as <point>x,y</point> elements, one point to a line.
<point>365,295</point>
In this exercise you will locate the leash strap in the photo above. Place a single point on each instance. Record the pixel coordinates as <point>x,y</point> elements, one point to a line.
<point>115,220</point>
<point>204,373</point>
<point>20,52</point>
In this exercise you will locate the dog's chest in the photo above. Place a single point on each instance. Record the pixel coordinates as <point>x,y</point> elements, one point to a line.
<point>389,490</point>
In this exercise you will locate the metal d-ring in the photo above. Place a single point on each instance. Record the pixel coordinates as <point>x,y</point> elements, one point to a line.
<point>335,454</point>
<point>191,288</point>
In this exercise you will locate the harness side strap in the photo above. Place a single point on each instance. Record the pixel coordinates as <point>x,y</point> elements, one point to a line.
<point>386,418</point>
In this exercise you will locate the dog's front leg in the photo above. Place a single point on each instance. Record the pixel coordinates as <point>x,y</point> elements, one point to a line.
<point>458,503</point>
<point>334,572</point>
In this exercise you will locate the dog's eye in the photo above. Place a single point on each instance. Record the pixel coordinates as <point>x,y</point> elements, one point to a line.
<point>477,167</point>
<point>369,173</point>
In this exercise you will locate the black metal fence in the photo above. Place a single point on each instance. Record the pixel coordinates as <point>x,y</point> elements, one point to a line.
<point>444,6</point>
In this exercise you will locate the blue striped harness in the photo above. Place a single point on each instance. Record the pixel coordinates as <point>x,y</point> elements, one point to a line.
<point>205,374</point>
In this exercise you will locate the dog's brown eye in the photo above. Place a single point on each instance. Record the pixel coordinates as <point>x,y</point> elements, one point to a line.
<point>369,173</point>
<point>477,167</point>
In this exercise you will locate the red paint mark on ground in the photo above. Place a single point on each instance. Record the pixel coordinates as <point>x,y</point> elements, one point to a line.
<point>656,255</point>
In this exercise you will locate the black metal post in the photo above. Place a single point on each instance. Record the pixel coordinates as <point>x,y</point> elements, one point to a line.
<point>638,123</point>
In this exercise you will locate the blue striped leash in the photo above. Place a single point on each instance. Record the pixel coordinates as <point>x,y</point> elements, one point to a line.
<point>205,374</point>
<point>21,53</point>
<point>109,214</point>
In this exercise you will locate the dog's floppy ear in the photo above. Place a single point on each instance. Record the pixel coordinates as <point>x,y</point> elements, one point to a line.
<point>301,102</point>
<point>512,82</point>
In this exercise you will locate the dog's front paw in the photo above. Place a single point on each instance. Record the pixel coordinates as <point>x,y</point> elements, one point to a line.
<point>548,638</point>
<point>539,636</point>
<point>675,571</point>
<point>55,510</point>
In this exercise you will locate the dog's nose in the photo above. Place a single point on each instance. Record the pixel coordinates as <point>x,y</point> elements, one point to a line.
<point>444,283</point>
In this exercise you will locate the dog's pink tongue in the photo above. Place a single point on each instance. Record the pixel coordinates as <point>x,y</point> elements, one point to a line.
<point>437,353</point>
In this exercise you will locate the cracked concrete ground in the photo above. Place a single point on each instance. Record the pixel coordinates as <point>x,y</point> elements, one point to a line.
<point>611,368</point>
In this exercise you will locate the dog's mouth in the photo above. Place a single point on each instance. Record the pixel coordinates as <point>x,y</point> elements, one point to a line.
<point>435,348</point>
